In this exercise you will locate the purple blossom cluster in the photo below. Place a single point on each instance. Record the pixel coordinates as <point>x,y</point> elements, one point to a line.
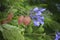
<point>37,17</point>
<point>57,36</point>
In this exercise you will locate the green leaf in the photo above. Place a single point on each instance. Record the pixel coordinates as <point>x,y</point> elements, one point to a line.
<point>29,29</point>
<point>11,32</point>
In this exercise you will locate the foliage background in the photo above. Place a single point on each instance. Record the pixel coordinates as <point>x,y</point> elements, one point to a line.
<point>23,7</point>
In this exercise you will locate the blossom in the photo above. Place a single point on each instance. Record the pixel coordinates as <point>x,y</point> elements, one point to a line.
<point>35,9</point>
<point>57,36</point>
<point>42,9</point>
<point>37,17</point>
<point>38,20</point>
<point>38,11</point>
<point>36,23</point>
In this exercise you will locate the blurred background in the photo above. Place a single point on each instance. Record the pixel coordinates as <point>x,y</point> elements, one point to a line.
<point>23,7</point>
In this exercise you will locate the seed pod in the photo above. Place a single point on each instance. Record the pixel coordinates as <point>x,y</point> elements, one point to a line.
<point>10,16</point>
<point>27,20</point>
<point>20,19</point>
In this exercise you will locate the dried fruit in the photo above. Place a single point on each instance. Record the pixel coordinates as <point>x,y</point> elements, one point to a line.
<point>20,19</point>
<point>27,20</point>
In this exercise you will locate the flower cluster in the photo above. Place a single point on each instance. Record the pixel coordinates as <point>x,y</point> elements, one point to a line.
<point>37,17</point>
<point>57,36</point>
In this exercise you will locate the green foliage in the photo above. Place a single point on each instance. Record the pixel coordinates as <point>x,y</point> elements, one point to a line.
<point>12,32</point>
<point>29,29</point>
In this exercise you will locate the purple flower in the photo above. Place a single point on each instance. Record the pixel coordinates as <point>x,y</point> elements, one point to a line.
<point>38,11</point>
<point>36,23</point>
<point>42,9</point>
<point>37,17</point>
<point>38,20</point>
<point>57,36</point>
<point>35,9</point>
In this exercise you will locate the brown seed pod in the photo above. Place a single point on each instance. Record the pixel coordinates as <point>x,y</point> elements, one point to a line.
<point>27,20</point>
<point>10,16</point>
<point>20,19</point>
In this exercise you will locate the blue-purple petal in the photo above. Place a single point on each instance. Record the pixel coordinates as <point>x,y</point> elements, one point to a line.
<point>38,13</point>
<point>57,36</point>
<point>35,9</point>
<point>36,23</point>
<point>37,17</point>
<point>42,9</point>
<point>56,39</point>
<point>42,23</point>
